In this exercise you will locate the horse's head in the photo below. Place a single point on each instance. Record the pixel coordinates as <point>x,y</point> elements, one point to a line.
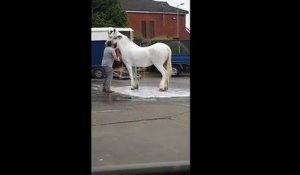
<point>110,33</point>
<point>115,36</point>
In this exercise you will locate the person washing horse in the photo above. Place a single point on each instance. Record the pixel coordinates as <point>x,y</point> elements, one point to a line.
<point>109,56</point>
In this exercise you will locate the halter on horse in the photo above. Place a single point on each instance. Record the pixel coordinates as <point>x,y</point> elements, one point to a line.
<point>158,54</point>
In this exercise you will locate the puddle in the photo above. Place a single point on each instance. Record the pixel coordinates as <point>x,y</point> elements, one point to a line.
<point>152,92</point>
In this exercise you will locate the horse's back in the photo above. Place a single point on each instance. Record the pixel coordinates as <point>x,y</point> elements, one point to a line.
<point>155,54</point>
<point>158,53</point>
<point>160,48</point>
<point>159,45</point>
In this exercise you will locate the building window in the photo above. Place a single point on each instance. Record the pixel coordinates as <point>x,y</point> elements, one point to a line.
<point>144,29</point>
<point>152,33</point>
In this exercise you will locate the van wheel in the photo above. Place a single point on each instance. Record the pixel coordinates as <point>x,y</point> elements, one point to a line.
<point>97,73</point>
<point>176,70</point>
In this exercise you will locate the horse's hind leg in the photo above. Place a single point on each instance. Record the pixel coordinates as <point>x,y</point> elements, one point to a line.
<point>163,86</point>
<point>136,84</point>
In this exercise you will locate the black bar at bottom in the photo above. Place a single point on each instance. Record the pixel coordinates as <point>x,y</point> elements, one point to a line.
<point>178,167</point>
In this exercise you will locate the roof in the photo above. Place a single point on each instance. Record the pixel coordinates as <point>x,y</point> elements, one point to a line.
<point>101,33</point>
<point>150,6</point>
<point>105,29</point>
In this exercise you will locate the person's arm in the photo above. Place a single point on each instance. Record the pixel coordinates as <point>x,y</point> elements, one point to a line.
<point>115,55</point>
<point>118,53</point>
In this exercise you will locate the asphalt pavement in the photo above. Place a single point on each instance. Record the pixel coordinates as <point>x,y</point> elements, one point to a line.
<point>129,128</point>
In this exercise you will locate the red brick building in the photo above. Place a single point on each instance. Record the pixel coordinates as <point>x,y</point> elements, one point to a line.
<point>156,18</point>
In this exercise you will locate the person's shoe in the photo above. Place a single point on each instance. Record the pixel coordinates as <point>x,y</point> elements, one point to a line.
<point>109,91</point>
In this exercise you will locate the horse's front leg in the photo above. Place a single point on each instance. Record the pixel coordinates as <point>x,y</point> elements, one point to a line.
<point>129,68</point>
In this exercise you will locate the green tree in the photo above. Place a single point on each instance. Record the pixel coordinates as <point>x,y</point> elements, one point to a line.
<point>108,13</point>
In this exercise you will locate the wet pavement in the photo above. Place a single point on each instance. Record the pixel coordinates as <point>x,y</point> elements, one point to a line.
<point>142,126</point>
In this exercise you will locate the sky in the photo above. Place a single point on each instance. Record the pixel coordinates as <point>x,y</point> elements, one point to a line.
<point>185,6</point>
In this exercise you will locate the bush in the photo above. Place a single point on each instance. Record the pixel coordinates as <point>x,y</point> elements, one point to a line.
<point>163,37</point>
<point>138,38</point>
<point>173,44</point>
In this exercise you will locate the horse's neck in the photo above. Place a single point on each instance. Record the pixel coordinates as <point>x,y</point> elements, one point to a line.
<point>126,46</point>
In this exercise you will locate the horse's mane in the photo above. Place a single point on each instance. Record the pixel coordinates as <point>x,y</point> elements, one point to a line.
<point>125,37</point>
<point>119,33</point>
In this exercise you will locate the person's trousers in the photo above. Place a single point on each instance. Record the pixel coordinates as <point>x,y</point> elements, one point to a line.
<point>108,76</point>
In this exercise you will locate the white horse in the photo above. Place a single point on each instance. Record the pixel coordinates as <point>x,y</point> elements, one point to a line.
<point>158,54</point>
<point>109,34</point>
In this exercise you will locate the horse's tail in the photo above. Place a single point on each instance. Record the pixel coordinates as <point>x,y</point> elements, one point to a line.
<point>169,65</point>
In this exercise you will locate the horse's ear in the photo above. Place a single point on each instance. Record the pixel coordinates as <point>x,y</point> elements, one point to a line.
<point>114,30</point>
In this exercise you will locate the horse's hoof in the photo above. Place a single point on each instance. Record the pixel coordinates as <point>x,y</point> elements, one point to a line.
<point>132,88</point>
<point>161,89</point>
